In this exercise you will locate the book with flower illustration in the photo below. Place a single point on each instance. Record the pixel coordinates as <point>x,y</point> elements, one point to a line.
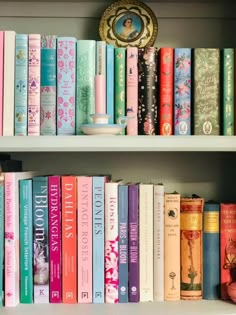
<point>182,91</point>
<point>227,247</point>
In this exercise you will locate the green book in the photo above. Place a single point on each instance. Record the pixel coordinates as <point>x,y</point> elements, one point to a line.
<point>1,238</point>
<point>228,92</point>
<point>120,83</point>
<point>26,242</point>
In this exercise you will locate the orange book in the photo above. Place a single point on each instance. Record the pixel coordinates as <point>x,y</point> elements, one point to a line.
<point>69,239</point>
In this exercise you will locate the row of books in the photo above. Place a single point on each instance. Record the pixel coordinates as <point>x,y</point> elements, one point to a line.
<point>89,239</point>
<point>48,87</point>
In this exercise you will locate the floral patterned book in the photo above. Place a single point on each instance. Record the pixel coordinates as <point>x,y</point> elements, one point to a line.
<point>182,91</point>
<point>147,91</point>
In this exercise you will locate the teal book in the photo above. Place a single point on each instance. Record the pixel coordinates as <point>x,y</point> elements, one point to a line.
<point>110,83</point>
<point>1,239</point>
<point>40,238</point>
<point>228,91</point>
<point>21,84</point>
<point>120,83</point>
<point>85,100</point>
<point>26,242</point>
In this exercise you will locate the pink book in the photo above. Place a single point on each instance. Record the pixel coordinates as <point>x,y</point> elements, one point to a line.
<point>132,90</point>
<point>85,267</point>
<point>54,188</point>
<point>34,85</point>
<point>1,78</point>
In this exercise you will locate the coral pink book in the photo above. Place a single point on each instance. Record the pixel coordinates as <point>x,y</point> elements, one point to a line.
<point>85,242</point>
<point>1,78</point>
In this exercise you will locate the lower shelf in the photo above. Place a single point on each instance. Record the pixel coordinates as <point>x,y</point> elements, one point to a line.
<point>168,308</point>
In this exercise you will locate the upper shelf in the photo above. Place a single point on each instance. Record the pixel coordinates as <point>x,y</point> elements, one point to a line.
<point>118,144</point>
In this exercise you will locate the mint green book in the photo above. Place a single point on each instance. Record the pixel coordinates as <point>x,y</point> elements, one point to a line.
<point>228,92</point>
<point>26,242</point>
<point>1,238</point>
<point>120,83</point>
<point>85,100</point>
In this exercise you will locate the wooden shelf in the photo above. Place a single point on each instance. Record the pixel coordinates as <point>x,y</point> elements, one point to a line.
<point>118,144</point>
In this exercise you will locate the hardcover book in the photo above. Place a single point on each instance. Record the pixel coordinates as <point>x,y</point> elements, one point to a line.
<point>166,90</point>
<point>182,91</point>
<point>110,71</point>
<point>2,220</point>
<point>21,84</point>
<point>211,246</point>
<point>133,212</point>
<point>1,78</point>
<point>191,211</point>
<point>147,91</point>
<point>48,85</point>
<point>84,234</point>
<point>40,237</point>
<point>172,245</point>
<point>34,85</point>
<point>206,104</point>
<point>66,85</point>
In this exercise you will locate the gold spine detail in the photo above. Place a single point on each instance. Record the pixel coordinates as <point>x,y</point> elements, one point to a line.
<point>191,221</point>
<point>211,222</point>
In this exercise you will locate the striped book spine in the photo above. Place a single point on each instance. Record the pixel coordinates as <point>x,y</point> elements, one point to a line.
<point>34,85</point>
<point>21,84</point>
<point>110,82</point>
<point>9,83</point>
<point>66,85</point>
<point>26,241</point>
<point>48,85</point>
<point>1,78</point>
<point>2,220</point>
<point>85,104</point>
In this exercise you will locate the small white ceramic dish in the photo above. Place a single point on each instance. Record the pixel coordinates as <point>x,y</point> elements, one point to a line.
<point>102,129</point>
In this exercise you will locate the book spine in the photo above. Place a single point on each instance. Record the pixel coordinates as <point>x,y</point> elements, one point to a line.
<point>206,104</point>
<point>158,259</point>
<point>227,247</point>
<point>98,239</point>
<point>123,242</point>
<point>146,242</point>
<point>26,241</point>
<point>133,212</point>
<point>191,210</point>
<point>11,243</point>
<point>147,91</point>
<point>111,243</point>
<point>166,90</point>
<point>132,91</point>
<point>9,83</point>
<point>110,70</point>
<point>66,83</point>
<point>2,220</point>
<point>34,85</point>
<point>48,85</point>
<point>21,84</point>
<point>101,57</point>
<point>85,82</point>
<point>228,91</point>
<point>85,264</point>
<point>120,83</point>
<point>172,245</point>
<point>40,236</point>
<point>54,205</point>
<point>211,257</point>
<point>182,95</point>
<point>1,78</point>
<point>69,239</point>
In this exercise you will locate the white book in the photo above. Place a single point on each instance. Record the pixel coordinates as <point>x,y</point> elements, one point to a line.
<point>158,241</point>
<point>9,83</point>
<point>146,242</point>
<point>12,270</point>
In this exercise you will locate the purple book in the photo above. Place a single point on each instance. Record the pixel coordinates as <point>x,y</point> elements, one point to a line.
<point>133,197</point>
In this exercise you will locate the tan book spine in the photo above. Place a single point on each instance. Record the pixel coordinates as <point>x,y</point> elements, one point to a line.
<point>191,248</point>
<point>172,247</point>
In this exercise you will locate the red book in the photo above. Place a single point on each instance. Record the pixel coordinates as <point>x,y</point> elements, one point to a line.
<point>227,247</point>
<point>166,91</point>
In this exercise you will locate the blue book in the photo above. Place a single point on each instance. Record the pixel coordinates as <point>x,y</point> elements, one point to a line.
<point>211,256</point>
<point>98,239</point>
<point>2,199</point>
<point>182,91</point>
<point>21,84</point>
<point>26,242</point>
<point>123,242</point>
<point>110,82</point>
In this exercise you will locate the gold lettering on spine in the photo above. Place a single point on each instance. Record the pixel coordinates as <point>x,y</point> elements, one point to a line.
<point>191,221</point>
<point>211,222</point>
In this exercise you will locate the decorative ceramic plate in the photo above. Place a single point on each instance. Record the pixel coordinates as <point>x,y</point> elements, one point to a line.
<point>101,129</point>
